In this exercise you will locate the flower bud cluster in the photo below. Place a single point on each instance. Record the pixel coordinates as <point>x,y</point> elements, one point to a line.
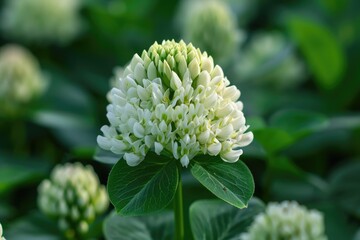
<point>211,26</point>
<point>41,20</point>
<point>74,197</point>
<point>174,101</point>
<point>20,78</point>
<point>287,220</point>
<point>271,55</point>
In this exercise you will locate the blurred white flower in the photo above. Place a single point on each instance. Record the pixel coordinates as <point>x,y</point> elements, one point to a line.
<point>73,195</point>
<point>20,78</point>
<point>211,26</point>
<point>1,233</point>
<point>43,21</point>
<point>269,60</point>
<point>287,220</point>
<point>173,100</point>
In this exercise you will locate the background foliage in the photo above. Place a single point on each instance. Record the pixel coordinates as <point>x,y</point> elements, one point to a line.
<point>307,138</point>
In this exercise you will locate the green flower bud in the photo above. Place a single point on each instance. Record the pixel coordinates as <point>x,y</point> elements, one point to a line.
<point>41,21</point>
<point>287,220</point>
<point>20,79</point>
<point>269,61</point>
<point>73,196</point>
<point>211,26</point>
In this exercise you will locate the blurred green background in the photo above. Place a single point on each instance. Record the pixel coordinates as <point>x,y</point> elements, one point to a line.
<point>295,62</point>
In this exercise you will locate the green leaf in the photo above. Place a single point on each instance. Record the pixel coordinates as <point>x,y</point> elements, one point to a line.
<point>34,226</point>
<point>298,122</point>
<point>231,182</point>
<point>321,49</point>
<point>146,188</point>
<point>154,227</point>
<point>60,120</point>
<point>16,171</point>
<point>216,220</point>
<point>337,224</point>
<point>345,187</point>
<point>273,139</point>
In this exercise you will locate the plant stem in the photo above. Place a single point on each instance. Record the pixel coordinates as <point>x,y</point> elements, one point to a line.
<point>179,214</point>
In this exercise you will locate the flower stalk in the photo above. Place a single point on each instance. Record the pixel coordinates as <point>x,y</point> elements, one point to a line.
<point>179,213</point>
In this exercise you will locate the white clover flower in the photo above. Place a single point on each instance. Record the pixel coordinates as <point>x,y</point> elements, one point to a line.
<point>73,196</point>
<point>43,21</point>
<point>20,78</point>
<point>173,101</point>
<point>211,26</point>
<point>1,233</point>
<point>287,220</point>
<point>268,60</point>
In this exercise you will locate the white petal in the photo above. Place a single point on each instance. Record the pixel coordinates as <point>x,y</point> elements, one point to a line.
<point>231,156</point>
<point>194,68</point>
<point>104,143</point>
<point>139,130</point>
<point>245,139</point>
<point>214,148</point>
<point>132,159</point>
<point>118,146</point>
<point>151,71</point>
<point>158,148</point>
<point>175,81</point>
<point>184,161</point>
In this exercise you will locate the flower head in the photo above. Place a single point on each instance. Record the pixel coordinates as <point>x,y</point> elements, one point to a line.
<point>41,20</point>
<point>20,78</point>
<point>1,233</point>
<point>287,220</point>
<point>272,56</point>
<point>74,197</point>
<point>211,26</point>
<point>174,101</point>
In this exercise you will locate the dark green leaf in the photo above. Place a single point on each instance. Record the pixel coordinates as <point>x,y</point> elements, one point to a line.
<point>34,226</point>
<point>298,122</point>
<point>216,220</point>
<point>321,49</point>
<point>16,171</point>
<point>231,182</point>
<point>337,225</point>
<point>146,188</point>
<point>154,227</point>
<point>345,187</point>
<point>273,139</point>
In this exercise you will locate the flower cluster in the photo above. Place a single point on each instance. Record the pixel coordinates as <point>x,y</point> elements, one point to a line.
<point>1,233</point>
<point>74,197</point>
<point>211,26</point>
<point>20,78</point>
<point>173,100</point>
<point>272,56</point>
<point>41,20</point>
<point>287,220</point>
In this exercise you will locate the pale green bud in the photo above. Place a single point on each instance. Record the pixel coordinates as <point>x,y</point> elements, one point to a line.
<point>41,21</point>
<point>21,80</point>
<point>269,61</point>
<point>211,26</point>
<point>286,220</point>
<point>73,196</point>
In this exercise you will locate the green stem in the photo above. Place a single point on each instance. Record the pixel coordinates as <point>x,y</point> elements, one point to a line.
<point>179,214</point>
